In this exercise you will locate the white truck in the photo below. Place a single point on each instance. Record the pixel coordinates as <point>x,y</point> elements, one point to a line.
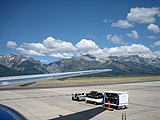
<point>78,96</point>
<point>116,99</point>
<point>94,97</point>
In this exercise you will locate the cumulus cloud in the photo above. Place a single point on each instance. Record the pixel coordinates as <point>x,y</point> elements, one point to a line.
<point>133,34</point>
<point>157,53</point>
<point>39,47</point>
<point>44,61</point>
<point>50,46</point>
<point>157,43</point>
<point>11,44</point>
<point>143,15</point>
<point>154,28</point>
<point>151,37</point>
<point>134,49</point>
<point>122,24</point>
<point>98,53</point>
<point>115,39</point>
<point>62,55</point>
<point>87,45</point>
<point>29,52</point>
<point>57,55</point>
<point>58,45</point>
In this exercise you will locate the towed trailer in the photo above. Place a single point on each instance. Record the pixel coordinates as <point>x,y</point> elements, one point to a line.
<point>116,99</point>
<point>94,97</point>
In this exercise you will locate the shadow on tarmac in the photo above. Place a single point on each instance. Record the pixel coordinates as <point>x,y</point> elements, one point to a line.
<point>83,115</point>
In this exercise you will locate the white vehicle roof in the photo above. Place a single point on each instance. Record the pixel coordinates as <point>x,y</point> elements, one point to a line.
<point>117,92</point>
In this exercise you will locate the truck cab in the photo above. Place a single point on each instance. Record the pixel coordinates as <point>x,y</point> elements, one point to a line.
<point>78,96</point>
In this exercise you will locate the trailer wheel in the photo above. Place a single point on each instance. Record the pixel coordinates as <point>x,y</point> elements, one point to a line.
<point>125,107</point>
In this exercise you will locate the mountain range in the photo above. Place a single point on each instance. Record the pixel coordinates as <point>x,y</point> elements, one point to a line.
<point>123,65</point>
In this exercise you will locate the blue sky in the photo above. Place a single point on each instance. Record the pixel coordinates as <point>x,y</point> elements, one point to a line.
<point>49,30</point>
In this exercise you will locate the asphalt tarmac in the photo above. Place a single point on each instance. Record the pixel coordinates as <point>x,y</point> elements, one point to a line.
<point>55,103</point>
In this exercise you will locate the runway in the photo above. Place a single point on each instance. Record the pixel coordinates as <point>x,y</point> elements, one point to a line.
<point>56,104</point>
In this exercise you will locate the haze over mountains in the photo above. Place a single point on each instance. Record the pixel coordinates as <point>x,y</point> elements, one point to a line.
<point>123,65</point>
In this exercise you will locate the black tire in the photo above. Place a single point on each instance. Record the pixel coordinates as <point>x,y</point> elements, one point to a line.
<point>72,98</point>
<point>125,107</point>
<point>78,98</point>
<point>95,103</point>
<point>118,107</point>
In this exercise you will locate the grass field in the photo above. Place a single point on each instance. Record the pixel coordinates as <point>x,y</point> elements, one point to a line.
<point>87,80</point>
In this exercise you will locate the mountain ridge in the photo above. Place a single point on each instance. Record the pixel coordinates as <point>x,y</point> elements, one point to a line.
<point>123,65</point>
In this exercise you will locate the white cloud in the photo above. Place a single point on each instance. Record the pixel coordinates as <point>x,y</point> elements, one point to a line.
<point>143,15</point>
<point>29,52</point>
<point>58,45</point>
<point>157,53</point>
<point>44,61</point>
<point>133,34</point>
<point>49,42</point>
<point>157,43</point>
<point>87,45</point>
<point>62,55</point>
<point>57,55</point>
<point>11,44</point>
<point>115,39</point>
<point>35,46</point>
<point>98,53</point>
<point>50,46</point>
<point>154,28</point>
<point>134,49</point>
<point>151,37</point>
<point>122,24</point>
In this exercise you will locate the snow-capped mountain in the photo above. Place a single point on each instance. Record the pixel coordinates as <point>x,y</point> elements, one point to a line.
<point>21,64</point>
<point>123,65</point>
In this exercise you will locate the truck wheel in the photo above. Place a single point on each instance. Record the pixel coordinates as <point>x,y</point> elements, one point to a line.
<point>72,98</point>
